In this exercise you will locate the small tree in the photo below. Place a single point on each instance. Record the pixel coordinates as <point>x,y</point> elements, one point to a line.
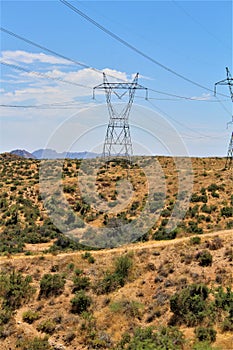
<point>15,289</point>
<point>51,285</point>
<point>189,305</point>
<point>80,303</point>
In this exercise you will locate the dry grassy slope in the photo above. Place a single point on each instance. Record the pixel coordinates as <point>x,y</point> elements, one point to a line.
<point>20,178</point>
<point>150,259</point>
<point>165,259</point>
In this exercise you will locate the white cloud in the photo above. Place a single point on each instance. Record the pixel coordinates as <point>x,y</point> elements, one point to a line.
<point>112,73</point>
<point>28,86</point>
<point>29,57</point>
<point>203,97</point>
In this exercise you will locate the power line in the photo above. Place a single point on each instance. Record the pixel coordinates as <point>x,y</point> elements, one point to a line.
<point>205,28</point>
<point>71,104</point>
<point>181,124</point>
<point>36,106</point>
<point>54,52</point>
<point>42,75</point>
<point>127,44</point>
<point>85,65</point>
<point>73,83</point>
<point>195,99</point>
<point>180,97</point>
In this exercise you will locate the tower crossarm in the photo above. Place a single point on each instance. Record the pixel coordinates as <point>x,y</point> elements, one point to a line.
<point>228,81</point>
<point>115,87</point>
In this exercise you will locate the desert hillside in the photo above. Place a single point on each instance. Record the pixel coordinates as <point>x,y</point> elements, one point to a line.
<point>163,290</point>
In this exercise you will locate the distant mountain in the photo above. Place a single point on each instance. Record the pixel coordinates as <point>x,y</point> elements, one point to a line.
<point>22,153</point>
<point>52,154</point>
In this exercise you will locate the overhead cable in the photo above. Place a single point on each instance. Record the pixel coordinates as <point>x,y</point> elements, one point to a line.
<point>42,75</point>
<point>55,53</point>
<point>87,66</point>
<point>127,44</point>
<point>181,124</point>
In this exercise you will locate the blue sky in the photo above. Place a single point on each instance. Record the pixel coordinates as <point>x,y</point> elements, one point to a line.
<point>193,38</point>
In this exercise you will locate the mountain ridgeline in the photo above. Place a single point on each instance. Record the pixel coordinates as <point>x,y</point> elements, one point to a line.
<point>52,154</point>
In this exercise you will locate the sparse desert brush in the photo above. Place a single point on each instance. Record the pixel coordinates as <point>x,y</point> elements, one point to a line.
<point>46,326</point>
<point>130,308</point>
<point>205,334</point>
<point>80,302</point>
<point>34,343</point>
<point>204,258</point>
<point>149,338</point>
<point>195,240</point>
<point>80,283</point>
<point>189,306</point>
<point>30,316</point>
<point>15,290</point>
<point>51,285</point>
<point>117,278</point>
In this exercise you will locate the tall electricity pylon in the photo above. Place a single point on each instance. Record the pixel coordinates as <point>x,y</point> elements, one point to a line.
<point>228,81</point>
<point>118,140</point>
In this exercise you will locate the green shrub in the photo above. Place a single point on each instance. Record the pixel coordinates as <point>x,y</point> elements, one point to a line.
<point>90,258</point>
<point>80,303</point>
<point>193,228</point>
<point>71,266</point>
<point>78,272</point>
<point>198,198</point>
<point>227,324</point>
<point>190,305</point>
<point>30,316</point>
<point>224,301</point>
<point>146,338</point>
<point>192,211</point>
<point>204,346</point>
<point>195,240</point>
<point>109,283</point>
<point>205,334</point>
<point>208,209</point>
<point>204,257</point>
<point>227,211</point>
<point>15,289</point>
<point>117,278</point>
<point>47,326</point>
<point>80,283</point>
<point>5,316</point>
<point>34,344</point>
<point>212,187</point>
<point>51,285</point>
<point>129,308</point>
<point>163,234</point>
<point>122,266</point>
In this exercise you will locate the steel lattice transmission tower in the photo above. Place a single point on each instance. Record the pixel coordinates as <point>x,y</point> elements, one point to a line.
<point>118,140</point>
<point>228,81</point>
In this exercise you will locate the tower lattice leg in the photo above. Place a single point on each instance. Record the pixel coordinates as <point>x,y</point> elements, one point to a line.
<point>229,160</point>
